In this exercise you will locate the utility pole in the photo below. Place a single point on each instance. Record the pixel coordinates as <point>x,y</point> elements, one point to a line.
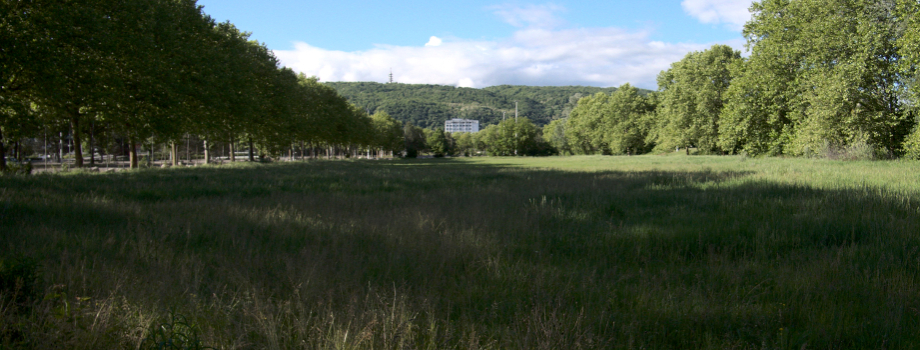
<point>515,128</point>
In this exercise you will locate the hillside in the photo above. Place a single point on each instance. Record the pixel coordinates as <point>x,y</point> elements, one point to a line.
<point>429,106</point>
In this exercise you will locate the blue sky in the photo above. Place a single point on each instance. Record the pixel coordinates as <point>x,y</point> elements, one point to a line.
<point>480,43</point>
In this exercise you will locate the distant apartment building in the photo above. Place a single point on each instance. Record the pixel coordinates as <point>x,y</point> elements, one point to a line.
<point>461,125</point>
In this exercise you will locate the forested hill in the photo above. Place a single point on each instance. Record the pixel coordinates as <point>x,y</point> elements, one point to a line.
<point>428,106</point>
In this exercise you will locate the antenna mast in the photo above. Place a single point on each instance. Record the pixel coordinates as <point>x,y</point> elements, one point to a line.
<point>391,75</point>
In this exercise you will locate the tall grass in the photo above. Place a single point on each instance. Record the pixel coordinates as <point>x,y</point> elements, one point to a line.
<point>498,253</point>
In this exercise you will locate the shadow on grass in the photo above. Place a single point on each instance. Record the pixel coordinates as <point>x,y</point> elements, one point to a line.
<point>510,256</point>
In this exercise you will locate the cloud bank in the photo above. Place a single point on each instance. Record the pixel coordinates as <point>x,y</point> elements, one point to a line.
<point>732,13</point>
<point>536,54</point>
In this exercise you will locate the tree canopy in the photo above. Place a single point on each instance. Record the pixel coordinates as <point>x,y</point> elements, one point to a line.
<point>151,71</point>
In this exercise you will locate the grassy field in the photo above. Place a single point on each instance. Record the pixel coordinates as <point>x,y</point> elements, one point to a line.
<point>649,252</point>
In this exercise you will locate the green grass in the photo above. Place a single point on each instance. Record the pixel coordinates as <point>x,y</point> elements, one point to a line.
<point>655,252</point>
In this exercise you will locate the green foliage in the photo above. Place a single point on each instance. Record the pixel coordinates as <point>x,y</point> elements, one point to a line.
<point>542,104</point>
<point>513,138</point>
<point>820,72</point>
<point>415,140</point>
<point>691,95</point>
<point>909,49</point>
<point>429,106</point>
<point>466,143</point>
<point>388,133</point>
<point>152,72</point>
<point>18,168</point>
<point>618,123</point>
<point>554,134</point>
<point>912,145</point>
<point>438,143</point>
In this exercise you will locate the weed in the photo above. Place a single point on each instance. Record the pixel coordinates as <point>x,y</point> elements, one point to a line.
<point>176,333</point>
<point>19,279</point>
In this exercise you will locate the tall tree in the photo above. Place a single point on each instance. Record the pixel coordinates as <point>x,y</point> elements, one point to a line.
<point>618,123</point>
<point>554,133</point>
<point>821,73</point>
<point>438,143</point>
<point>909,45</point>
<point>388,133</point>
<point>414,140</point>
<point>691,96</point>
<point>24,27</point>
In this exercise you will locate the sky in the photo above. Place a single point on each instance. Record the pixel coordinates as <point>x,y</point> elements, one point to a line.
<point>481,43</point>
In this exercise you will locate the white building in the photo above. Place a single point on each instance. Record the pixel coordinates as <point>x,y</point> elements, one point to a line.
<point>461,125</point>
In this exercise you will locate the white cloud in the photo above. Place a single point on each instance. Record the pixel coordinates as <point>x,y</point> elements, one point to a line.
<point>733,13</point>
<point>434,41</point>
<point>536,54</point>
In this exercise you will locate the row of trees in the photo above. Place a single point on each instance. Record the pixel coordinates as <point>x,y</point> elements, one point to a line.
<point>823,76</point>
<point>510,137</point>
<point>149,72</point>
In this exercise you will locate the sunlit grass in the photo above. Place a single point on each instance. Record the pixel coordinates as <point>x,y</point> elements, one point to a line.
<point>556,253</point>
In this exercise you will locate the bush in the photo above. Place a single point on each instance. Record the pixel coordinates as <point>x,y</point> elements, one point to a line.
<point>912,145</point>
<point>858,150</point>
<point>21,168</point>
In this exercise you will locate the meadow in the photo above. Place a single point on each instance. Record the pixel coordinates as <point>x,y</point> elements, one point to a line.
<point>589,252</point>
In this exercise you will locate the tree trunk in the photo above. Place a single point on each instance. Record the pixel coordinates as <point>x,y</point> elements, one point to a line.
<point>61,148</point>
<point>2,153</point>
<point>688,150</point>
<point>207,152</point>
<point>252,156</point>
<point>77,147</point>
<point>132,153</point>
<point>92,146</point>
<point>101,154</point>
<point>232,151</point>
<point>173,153</point>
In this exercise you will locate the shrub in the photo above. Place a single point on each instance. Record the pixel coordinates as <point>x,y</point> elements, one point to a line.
<point>912,145</point>
<point>857,150</point>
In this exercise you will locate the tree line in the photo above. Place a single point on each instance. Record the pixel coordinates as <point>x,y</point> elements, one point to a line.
<point>830,78</point>
<point>510,137</point>
<point>145,73</point>
<point>429,106</point>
